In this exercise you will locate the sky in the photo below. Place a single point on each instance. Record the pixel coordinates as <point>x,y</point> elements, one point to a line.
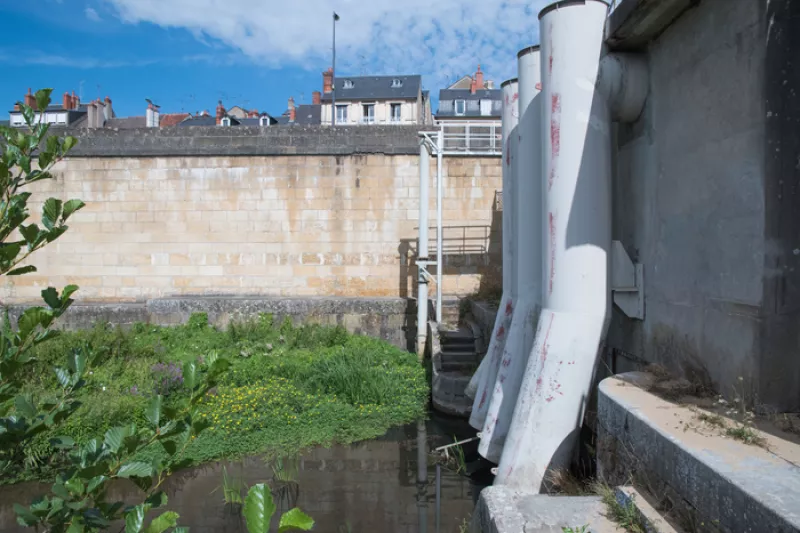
<point>185,55</point>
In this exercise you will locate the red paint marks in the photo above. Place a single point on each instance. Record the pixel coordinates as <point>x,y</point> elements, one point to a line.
<point>508,155</point>
<point>483,399</point>
<point>555,137</point>
<point>538,384</point>
<point>545,343</point>
<point>538,86</point>
<point>502,378</point>
<point>506,362</point>
<point>550,31</point>
<point>501,332</point>
<point>509,308</point>
<point>552,229</point>
<point>515,98</point>
<point>549,399</point>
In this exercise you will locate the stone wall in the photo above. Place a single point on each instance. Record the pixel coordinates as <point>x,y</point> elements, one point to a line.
<point>261,225</point>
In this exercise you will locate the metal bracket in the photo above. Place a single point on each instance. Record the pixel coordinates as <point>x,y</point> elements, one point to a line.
<point>627,282</point>
<point>422,266</point>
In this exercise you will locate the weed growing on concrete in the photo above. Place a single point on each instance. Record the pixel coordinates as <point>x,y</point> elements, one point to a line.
<point>714,420</point>
<point>464,526</point>
<point>298,386</point>
<point>626,515</point>
<point>746,435</point>
<point>576,529</point>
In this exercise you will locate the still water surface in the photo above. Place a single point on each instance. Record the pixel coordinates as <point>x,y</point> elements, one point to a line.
<point>382,485</point>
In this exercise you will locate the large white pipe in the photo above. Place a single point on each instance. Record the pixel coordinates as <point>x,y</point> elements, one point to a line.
<point>577,205</point>
<point>528,205</point>
<point>422,247</point>
<point>487,372</point>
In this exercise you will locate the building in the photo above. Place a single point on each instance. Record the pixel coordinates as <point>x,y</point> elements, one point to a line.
<point>303,114</point>
<point>70,112</point>
<point>470,98</point>
<point>374,100</point>
<point>224,118</point>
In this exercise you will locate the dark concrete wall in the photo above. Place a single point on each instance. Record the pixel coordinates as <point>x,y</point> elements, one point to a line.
<point>240,140</point>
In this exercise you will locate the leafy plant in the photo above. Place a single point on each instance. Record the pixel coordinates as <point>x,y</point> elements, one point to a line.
<point>232,489</point>
<point>576,529</point>
<point>259,509</point>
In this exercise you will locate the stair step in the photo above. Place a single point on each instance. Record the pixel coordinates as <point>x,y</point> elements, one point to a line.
<point>460,353</point>
<point>464,368</point>
<point>504,510</point>
<point>458,342</point>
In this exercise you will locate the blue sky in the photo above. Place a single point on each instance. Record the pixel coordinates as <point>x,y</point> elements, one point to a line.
<point>187,54</point>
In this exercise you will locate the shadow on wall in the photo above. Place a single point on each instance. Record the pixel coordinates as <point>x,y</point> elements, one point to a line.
<point>467,251</point>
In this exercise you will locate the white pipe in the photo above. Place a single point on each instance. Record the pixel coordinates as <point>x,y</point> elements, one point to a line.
<point>528,205</point>
<point>422,248</point>
<point>439,229</point>
<point>484,379</point>
<point>576,185</point>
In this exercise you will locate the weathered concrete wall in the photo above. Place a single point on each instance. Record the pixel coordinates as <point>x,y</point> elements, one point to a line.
<point>276,225</point>
<point>692,203</point>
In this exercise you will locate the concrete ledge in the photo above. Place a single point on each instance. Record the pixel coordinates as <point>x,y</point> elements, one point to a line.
<point>390,319</point>
<point>635,22</point>
<point>715,479</point>
<point>504,510</point>
<point>484,315</point>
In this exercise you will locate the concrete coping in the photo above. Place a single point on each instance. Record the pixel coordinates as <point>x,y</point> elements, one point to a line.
<point>742,487</point>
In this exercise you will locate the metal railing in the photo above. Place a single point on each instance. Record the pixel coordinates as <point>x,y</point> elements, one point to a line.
<point>462,137</point>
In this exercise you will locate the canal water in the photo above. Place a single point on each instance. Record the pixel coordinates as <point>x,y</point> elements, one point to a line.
<point>383,485</point>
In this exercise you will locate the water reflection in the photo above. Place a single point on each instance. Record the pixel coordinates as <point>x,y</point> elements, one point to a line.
<point>383,485</point>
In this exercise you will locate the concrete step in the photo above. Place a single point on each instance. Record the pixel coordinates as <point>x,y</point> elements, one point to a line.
<point>465,368</point>
<point>465,355</point>
<point>505,510</point>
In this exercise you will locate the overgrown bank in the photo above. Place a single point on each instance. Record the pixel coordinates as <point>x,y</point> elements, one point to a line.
<point>288,388</point>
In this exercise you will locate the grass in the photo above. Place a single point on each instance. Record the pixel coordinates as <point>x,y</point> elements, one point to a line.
<point>288,388</point>
<point>576,529</point>
<point>746,435</point>
<point>627,516</point>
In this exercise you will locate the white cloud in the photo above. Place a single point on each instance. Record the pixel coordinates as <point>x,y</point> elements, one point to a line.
<point>91,14</point>
<point>442,40</point>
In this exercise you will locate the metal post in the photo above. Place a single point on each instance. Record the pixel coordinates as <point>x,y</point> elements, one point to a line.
<point>439,229</point>
<point>422,475</point>
<point>333,73</point>
<point>438,496</point>
<point>422,248</point>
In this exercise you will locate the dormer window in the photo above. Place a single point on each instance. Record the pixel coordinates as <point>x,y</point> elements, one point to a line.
<point>348,84</point>
<point>226,121</point>
<point>397,83</point>
<point>263,121</point>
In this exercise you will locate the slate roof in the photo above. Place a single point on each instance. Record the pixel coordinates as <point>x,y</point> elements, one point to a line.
<point>472,107</point>
<point>375,88</point>
<point>200,121</point>
<point>127,123</point>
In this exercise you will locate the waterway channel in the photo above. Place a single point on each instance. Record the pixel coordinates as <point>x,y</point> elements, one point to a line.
<point>382,485</point>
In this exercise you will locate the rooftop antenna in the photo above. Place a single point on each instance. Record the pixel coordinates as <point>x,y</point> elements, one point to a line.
<point>80,90</point>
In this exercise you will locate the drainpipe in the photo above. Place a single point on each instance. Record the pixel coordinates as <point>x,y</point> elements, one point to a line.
<point>528,200</point>
<point>581,96</point>
<point>422,248</point>
<point>485,378</point>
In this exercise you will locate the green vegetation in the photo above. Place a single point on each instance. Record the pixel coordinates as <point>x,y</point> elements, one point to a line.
<point>576,529</point>
<point>288,387</point>
<point>627,516</point>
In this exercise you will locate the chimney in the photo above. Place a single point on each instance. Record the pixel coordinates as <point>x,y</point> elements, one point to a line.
<point>66,103</point>
<point>205,113</point>
<point>30,101</point>
<point>327,81</point>
<point>253,113</point>
<point>472,86</point>
<point>76,102</point>
<point>91,119</point>
<point>99,114</point>
<point>316,98</point>
<point>156,119</point>
<point>479,79</point>
<point>490,85</point>
<point>220,112</point>
<point>109,111</point>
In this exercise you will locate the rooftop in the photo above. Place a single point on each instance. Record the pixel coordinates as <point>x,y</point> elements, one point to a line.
<point>375,88</point>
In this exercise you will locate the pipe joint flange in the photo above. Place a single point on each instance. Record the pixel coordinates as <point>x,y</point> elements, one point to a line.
<point>625,81</point>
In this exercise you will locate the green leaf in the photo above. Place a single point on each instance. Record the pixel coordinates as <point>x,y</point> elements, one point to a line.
<point>135,469</point>
<point>67,292</point>
<point>70,207</point>
<point>24,516</point>
<point>50,296</point>
<point>64,377</point>
<point>169,446</point>
<point>31,234</point>
<point>69,143</point>
<point>43,98</point>
<point>163,522</point>
<point>75,527</point>
<point>32,318</point>
<point>159,499</point>
<point>62,443</point>
<point>144,483</point>
<point>258,508</point>
<point>27,114</point>
<point>295,519</point>
<point>190,374</point>
<point>22,270</point>
<point>51,212</point>
<point>134,518</point>
<point>181,530</point>
<point>153,411</point>
<point>24,406</point>
<point>95,482</point>
<point>113,438</point>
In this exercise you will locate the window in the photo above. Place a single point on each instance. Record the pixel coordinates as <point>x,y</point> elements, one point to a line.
<point>348,84</point>
<point>263,121</point>
<point>226,121</point>
<point>461,107</point>
<point>397,83</point>
<point>368,116</point>
<point>486,108</point>
<point>341,114</point>
<point>395,113</point>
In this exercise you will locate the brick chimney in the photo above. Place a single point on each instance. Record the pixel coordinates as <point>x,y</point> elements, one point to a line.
<point>30,101</point>
<point>292,110</point>
<point>220,112</point>
<point>76,102</point>
<point>316,98</point>
<point>253,113</point>
<point>327,81</point>
<point>479,78</point>
<point>66,103</point>
<point>473,86</point>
